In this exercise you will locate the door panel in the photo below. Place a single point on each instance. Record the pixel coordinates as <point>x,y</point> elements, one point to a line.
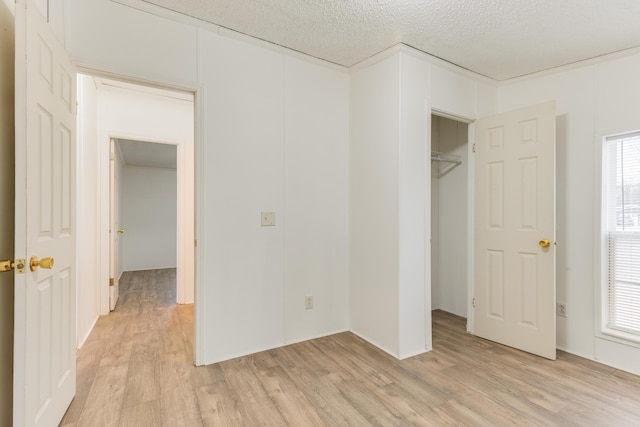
<point>514,210</point>
<point>45,312</point>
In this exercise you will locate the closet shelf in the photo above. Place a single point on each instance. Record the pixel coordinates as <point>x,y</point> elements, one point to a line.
<point>444,157</point>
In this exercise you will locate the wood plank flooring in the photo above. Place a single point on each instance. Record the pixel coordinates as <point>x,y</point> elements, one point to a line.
<point>136,370</point>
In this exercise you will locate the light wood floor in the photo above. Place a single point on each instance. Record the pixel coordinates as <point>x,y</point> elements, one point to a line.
<point>136,370</point>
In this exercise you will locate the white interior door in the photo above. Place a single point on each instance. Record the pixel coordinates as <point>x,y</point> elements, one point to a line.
<point>514,275</point>
<point>45,295</point>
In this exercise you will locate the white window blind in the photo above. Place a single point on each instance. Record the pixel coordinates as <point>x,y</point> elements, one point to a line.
<point>623,223</point>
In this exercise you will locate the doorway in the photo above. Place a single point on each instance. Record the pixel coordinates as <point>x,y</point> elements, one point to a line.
<point>449,215</point>
<point>143,117</point>
<point>143,210</point>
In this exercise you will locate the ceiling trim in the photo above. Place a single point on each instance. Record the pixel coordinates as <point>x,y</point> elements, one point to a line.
<point>163,12</point>
<point>198,23</point>
<point>574,65</point>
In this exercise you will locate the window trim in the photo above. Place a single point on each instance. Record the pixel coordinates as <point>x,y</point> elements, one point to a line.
<point>601,266</point>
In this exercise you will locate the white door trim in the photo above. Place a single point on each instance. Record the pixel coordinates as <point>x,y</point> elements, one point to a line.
<point>470,214</point>
<point>471,220</point>
<point>428,267</point>
<point>99,70</point>
<point>184,210</point>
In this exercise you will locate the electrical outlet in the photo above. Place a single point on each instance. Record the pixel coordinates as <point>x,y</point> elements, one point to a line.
<point>308,302</point>
<point>561,309</point>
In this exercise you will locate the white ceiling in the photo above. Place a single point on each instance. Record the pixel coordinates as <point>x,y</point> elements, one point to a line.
<point>500,39</point>
<point>148,154</point>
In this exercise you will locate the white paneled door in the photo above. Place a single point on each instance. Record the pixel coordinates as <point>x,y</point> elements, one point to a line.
<point>514,240</point>
<point>45,293</point>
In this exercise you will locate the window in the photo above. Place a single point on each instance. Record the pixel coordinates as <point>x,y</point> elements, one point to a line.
<point>622,188</point>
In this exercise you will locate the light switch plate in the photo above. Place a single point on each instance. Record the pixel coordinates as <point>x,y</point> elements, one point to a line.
<point>267,219</point>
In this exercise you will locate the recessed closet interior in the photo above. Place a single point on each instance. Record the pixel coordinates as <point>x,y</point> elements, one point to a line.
<point>449,215</point>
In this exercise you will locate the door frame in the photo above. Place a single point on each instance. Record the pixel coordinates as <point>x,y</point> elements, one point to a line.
<point>183,210</point>
<point>114,212</point>
<point>470,121</point>
<point>197,89</point>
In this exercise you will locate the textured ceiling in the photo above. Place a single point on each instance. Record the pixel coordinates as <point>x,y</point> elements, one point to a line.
<point>500,39</point>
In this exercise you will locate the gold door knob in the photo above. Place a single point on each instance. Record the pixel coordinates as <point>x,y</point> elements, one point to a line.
<point>34,263</point>
<point>544,243</point>
<point>121,230</point>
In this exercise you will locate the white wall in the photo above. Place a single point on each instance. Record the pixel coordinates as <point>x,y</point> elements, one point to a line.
<point>450,207</point>
<point>143,45</point>
<point>7,29</point>
<point>149,217</point>
<point>316,197</point>
<point>244,175</point>
<point>275,132</point>
<point>374,158</point>
<point>414,322</point>
<point>88,206</point>
<point>591,101</point>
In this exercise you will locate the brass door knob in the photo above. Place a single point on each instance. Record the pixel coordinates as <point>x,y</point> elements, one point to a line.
<point>544,243</point>
<point>34,263</point>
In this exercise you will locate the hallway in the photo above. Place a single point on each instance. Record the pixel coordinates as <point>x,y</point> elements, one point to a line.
<point>136,367</point>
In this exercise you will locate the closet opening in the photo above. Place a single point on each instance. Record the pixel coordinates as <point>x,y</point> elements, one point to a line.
<point>449,222</point>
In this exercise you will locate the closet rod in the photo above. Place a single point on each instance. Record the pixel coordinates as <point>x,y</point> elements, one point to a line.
<point>442,157</point>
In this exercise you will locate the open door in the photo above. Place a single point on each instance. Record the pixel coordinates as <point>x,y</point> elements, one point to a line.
<point>45,158</point>
<point>514,240</point>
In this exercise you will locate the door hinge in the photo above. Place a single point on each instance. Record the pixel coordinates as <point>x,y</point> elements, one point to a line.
<point>473,303</point>
<point>474,148</point>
